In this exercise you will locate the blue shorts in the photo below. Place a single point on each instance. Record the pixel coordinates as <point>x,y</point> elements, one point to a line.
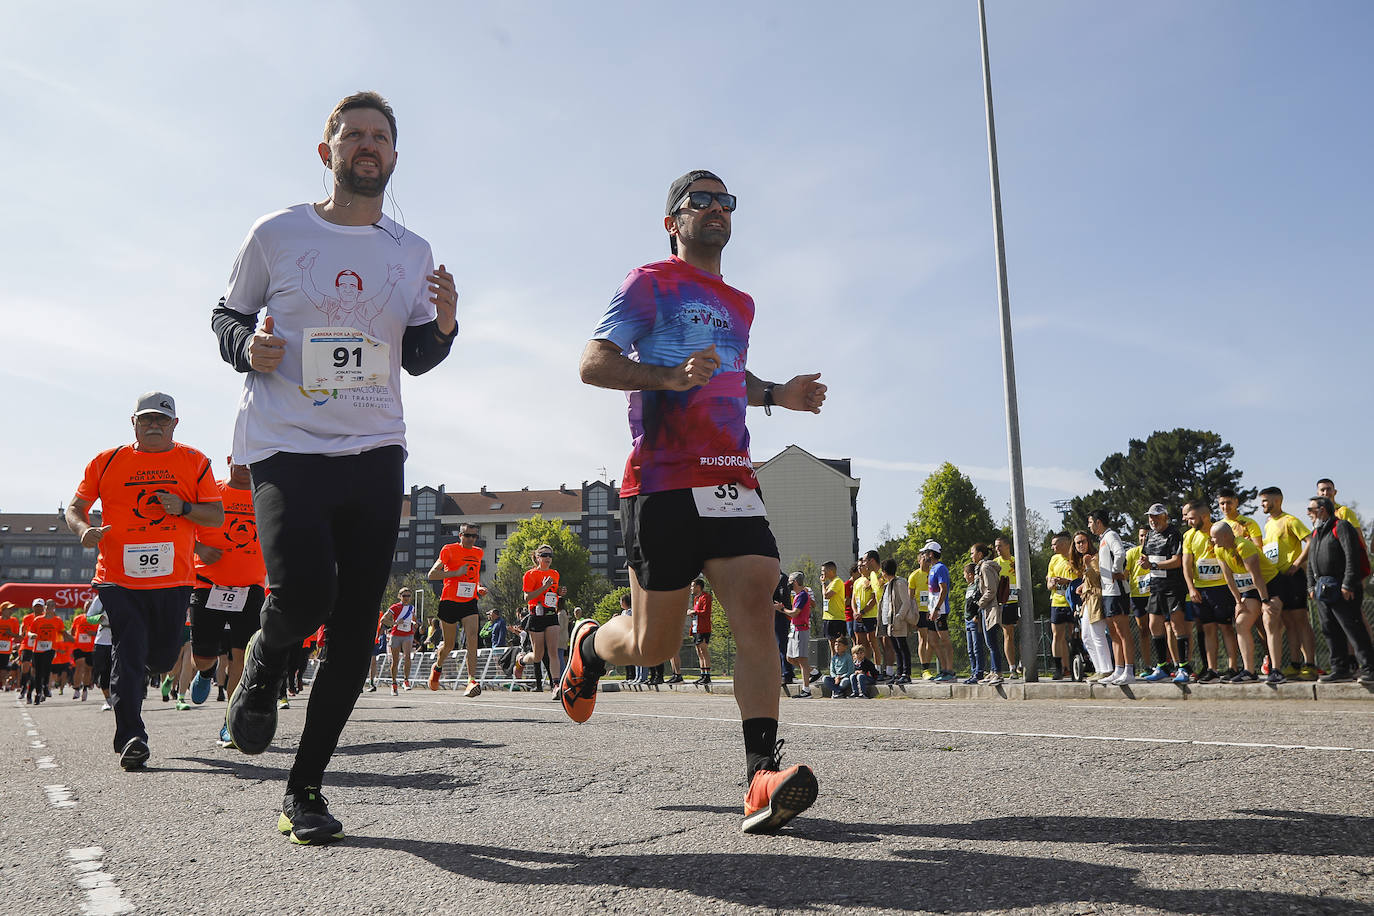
<point>866,625</point>
<point>1115,605</point>
<point>1059,614</point>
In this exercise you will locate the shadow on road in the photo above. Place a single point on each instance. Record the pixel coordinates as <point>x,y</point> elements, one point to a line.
<point>943,880</point>
<point>239,767</point>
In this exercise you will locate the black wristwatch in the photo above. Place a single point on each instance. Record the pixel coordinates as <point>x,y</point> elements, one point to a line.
<point>768,401</point>
<point>186,508</point>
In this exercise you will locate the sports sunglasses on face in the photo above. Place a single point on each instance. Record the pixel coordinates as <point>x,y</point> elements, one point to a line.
<point>701,200</point>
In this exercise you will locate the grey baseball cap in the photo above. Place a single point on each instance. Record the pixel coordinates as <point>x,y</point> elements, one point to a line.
<point>156,402</point>
<point>1157,509</point>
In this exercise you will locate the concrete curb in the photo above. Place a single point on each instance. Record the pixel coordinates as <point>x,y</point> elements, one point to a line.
<point>1060,690</point>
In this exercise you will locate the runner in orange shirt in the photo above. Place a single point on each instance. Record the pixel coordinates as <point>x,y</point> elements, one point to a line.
<point>46,630</point>
<point>153,493</point>
<point>541,591</point>
<point>9,645</point>
<point>25,649</point>
<point>83,634</point>
<point>62,663</point>
<point>230,587</point>
<point>459,567</point>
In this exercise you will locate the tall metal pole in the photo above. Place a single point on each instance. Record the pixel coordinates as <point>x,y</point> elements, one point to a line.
<point>1019,532</point>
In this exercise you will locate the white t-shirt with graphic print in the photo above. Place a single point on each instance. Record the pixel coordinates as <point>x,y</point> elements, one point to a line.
<point>309,273</point>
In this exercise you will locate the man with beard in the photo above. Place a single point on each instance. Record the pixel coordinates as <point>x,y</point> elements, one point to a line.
<point>321,426</point>
<point>676,339</point>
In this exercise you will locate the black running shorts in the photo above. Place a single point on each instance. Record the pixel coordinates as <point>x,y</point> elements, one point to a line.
<point>541,622</point>
<point>667,542</point>
<point>1218,605</point>
<point>454,611</point>
<point>1291,589</point>
<point>208,636</point>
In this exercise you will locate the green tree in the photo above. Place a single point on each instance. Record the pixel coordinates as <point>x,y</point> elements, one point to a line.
<point>570,558</point>
<point>1169,467</point>
<point>953,513</point>
<point>609,605</point>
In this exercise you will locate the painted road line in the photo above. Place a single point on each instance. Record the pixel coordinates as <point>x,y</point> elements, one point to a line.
<point>60,796</point>
<point>1053,736</point>
<point>103,896</point>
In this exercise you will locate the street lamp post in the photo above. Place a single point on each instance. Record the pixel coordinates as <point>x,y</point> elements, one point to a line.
<point>1019,531</point>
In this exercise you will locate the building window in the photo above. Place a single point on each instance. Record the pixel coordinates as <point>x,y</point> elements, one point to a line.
<point>43,573</point>
<point>402,556</point>
<point>597,534</point>
<point>599,557</point>
<point>20,550</point>
<point>425,504</point>
<point>45,550</point>
<point>424,539</point>
<point>596,501</point>
<point>501,531</point>
<point>69,551</point>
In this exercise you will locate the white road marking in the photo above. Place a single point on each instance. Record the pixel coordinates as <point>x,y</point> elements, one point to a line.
<point>60,796</point>
<point>970,731</point>
<point>47,763</point>
<point>103,896</point>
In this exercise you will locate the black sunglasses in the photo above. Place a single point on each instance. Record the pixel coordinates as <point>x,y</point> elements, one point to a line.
<point>701,200</point>
<point>468,534</point>
<point>544,556</point>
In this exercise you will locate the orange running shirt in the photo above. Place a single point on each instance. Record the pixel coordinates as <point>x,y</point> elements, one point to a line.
<point>241,563</point>
<point>145,547</point>
<point>45,631</point>
<point>9,635</point>
<point>542,601</point>
<point>64,650</point>
<point>464,587</point>
<point>83,632</point>
<point>26,629</point>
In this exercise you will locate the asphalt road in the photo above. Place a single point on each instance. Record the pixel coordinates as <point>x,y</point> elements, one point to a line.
<point>500,805</point>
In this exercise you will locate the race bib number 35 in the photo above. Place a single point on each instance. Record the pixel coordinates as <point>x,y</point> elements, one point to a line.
<point>343,358</point>
<point>728,500</point>
<point>226,599</point>
<point>148,561</point>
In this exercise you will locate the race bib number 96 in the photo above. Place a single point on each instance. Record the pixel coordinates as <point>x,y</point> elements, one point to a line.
<point>148,561</point>
<point>728,500</point>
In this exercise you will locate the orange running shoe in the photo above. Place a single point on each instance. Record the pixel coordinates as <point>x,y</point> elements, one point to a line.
<point>577,688</point>
<point>776,796</point>
<point>433,677</point>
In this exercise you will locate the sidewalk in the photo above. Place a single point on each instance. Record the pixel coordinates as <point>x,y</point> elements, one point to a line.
<point>1063,690</point>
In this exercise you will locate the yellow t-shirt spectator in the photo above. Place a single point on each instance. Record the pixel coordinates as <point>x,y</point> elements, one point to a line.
<point>1062,569</point>
<point>1283,537</point>
<point>1198,548</point>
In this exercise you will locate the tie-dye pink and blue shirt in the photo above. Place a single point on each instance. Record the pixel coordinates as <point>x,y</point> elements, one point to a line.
<point>662,314</point>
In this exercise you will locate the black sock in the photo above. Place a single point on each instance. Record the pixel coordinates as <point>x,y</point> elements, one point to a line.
<point>1183,651</point>
<point>211,671</point>
<point>587,650</point>
<point>760,736</point>
<point>1058,664</point>
<point>1161,645</point>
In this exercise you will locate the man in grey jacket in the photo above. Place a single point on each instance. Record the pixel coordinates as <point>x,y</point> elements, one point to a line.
<point>1335,579</point>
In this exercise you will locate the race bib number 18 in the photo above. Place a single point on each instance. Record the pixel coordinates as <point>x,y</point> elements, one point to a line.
<point>148,561</point>
<point>226,599</point>
<point>728,500</point>
<point>343,358</point>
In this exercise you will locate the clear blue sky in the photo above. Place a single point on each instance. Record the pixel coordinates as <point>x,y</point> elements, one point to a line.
<point>1186,194</point>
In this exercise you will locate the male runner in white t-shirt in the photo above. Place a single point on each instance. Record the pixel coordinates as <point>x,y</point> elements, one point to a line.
<point>320,424</point>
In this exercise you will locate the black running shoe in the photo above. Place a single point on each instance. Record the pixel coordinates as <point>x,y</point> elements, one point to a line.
<point>252,714</point>
<point>134,755</point>
<point>305,816</point>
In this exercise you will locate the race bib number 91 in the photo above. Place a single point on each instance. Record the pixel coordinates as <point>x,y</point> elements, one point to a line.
<point>343,358</point>
<point>148,561</point>
<point>728,500</point>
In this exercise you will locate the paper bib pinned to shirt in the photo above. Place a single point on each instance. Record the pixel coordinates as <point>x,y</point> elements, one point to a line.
<point>343,358</point>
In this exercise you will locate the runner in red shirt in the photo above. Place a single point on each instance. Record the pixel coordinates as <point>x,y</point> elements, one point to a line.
<point>62,663</point>
<point>701,629</point>
<point>405,623</point>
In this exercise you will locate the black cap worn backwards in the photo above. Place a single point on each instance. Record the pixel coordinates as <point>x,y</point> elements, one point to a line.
<point>680,186</point>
